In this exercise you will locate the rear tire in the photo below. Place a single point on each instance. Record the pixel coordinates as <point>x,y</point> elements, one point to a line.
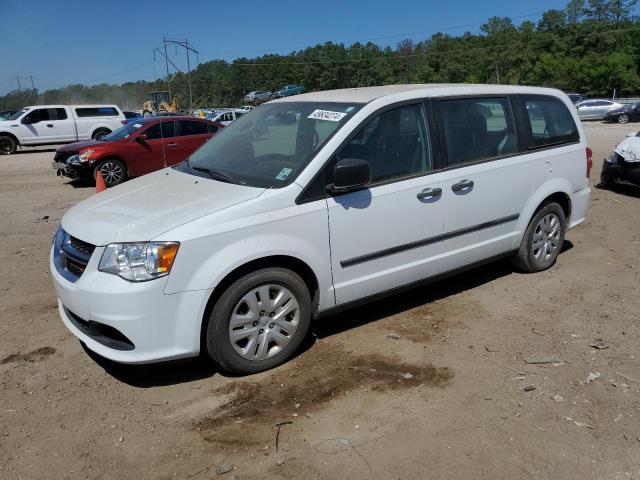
<point>247,334</point>
<point>113,172</point>
<point>624,118</point>
<point>100,134</point>
<point>7,145</point>
<point>543,239</point>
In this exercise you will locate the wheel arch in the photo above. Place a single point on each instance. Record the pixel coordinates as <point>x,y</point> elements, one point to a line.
<point>9,134</point>
<point>110,157</point>
<point>273,261</point>
<point>98,128</point>
<point>557,190</point>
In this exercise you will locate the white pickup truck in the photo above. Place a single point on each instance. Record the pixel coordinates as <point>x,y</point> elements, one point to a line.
<point>56,124</point>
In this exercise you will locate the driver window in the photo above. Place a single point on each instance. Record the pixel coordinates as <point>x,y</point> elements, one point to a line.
<point>395,143</point>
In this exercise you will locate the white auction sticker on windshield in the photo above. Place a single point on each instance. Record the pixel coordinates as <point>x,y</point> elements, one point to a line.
<point>284,173</point>
<point>327,115</point>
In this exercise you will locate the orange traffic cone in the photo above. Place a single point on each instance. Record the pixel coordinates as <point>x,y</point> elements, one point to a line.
<point>100,185</point>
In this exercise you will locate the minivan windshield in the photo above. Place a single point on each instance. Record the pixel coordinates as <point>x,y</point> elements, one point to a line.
<point>269,146</point>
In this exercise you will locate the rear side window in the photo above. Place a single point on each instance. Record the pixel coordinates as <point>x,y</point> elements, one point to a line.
<point>477,129</point>
<point>192,128</point>
<point>96,112</point>
<point>550,121</point>
<point>168,130</point>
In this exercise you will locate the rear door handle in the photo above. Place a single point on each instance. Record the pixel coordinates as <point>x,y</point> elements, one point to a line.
<point>172,145</point>
<point>50,125</point>
<point>463,185</point>
<point>429,193</point>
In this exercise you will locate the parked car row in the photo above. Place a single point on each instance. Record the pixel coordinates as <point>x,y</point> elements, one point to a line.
<point>135,149</point>
<point>259,96</point>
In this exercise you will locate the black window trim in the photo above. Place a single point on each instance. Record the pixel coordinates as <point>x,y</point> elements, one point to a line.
<point>528,146</point>
<point>179,128</point>
<point>510,110</point>
<point>423,102</point>
<point>438,143</point>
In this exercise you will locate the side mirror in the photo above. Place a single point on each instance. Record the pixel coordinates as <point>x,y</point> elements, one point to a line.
<point>28,120</point>
<point>141,138</point>
<point>350,174</point>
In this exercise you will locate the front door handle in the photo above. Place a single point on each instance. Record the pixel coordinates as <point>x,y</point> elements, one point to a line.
<point>49,125</point>
<point>172,144</point>
<point>463,185</point>
<point>429,193</point>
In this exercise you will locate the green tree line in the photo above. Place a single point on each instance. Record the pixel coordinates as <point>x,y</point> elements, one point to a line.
<point>591,47</point>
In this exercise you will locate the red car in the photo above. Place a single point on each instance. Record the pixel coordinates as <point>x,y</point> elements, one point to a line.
<point>135,149</point>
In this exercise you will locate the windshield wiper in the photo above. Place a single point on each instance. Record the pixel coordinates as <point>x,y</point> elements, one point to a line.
<point>216,174</point>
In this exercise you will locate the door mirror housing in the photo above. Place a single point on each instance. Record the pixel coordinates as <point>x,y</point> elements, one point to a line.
<point>350,174</point>
<point>141,138</point>
<point>28,120</point>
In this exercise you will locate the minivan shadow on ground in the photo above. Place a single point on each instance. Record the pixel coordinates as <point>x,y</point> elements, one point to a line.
<point>188,370</point>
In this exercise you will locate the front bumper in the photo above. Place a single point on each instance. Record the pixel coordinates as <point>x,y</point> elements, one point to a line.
<point>130,322</point>
<point>79,170</point>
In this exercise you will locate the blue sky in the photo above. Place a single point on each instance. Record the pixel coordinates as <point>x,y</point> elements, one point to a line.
<point>76,41</point>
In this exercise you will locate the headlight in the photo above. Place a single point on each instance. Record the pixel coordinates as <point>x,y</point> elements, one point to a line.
<point>84,156</point>
<point>613,157</point>
<point>79,158</point>
<point>139,262</point>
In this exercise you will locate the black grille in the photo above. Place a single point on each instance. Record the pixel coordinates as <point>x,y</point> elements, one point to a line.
<point>71,257</point>
<point>74,267</point>
<point>79,245</point>
<point>63,156</point>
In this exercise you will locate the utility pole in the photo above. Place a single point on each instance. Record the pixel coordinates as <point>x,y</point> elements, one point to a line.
<point>188,48</point>
<point>189,76</point>
<point>18,78</point>
<point>166,63</point>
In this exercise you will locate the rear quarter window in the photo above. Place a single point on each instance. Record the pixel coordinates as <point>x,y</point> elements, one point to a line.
<point>550,121</point>
<point>96,112</point>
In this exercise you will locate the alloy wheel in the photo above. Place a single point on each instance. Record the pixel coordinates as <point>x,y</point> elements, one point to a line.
<point>111,173</point>
<point>263,322</point>
<point>624,118</point>
<point>546,237</point>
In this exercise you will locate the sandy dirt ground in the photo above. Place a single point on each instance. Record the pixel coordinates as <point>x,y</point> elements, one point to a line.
<point>427,384</point>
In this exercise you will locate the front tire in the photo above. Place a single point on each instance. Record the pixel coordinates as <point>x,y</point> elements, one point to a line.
<point>542,240</point>
<point>259,322</point>
<point>624,118</point>
<point>7,145</point>
<point>113,171</point>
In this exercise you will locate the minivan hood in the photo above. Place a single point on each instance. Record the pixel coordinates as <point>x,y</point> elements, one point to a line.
<point>144,208</point>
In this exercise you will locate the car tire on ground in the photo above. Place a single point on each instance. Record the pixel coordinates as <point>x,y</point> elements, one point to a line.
<point>7,145</point>
<point>259,322</point>
<point>543,239</point>
<point>624,118</point>
<point>114,172</point>
<point>100,134</point>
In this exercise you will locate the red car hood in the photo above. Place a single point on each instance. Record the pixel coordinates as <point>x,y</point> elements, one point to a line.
<point>77,146</point>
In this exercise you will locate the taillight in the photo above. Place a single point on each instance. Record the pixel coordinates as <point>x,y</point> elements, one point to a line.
<point>124,122</point>
<point>589,161</point>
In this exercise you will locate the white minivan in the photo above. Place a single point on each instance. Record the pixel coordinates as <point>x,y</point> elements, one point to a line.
<point>313,203</point>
